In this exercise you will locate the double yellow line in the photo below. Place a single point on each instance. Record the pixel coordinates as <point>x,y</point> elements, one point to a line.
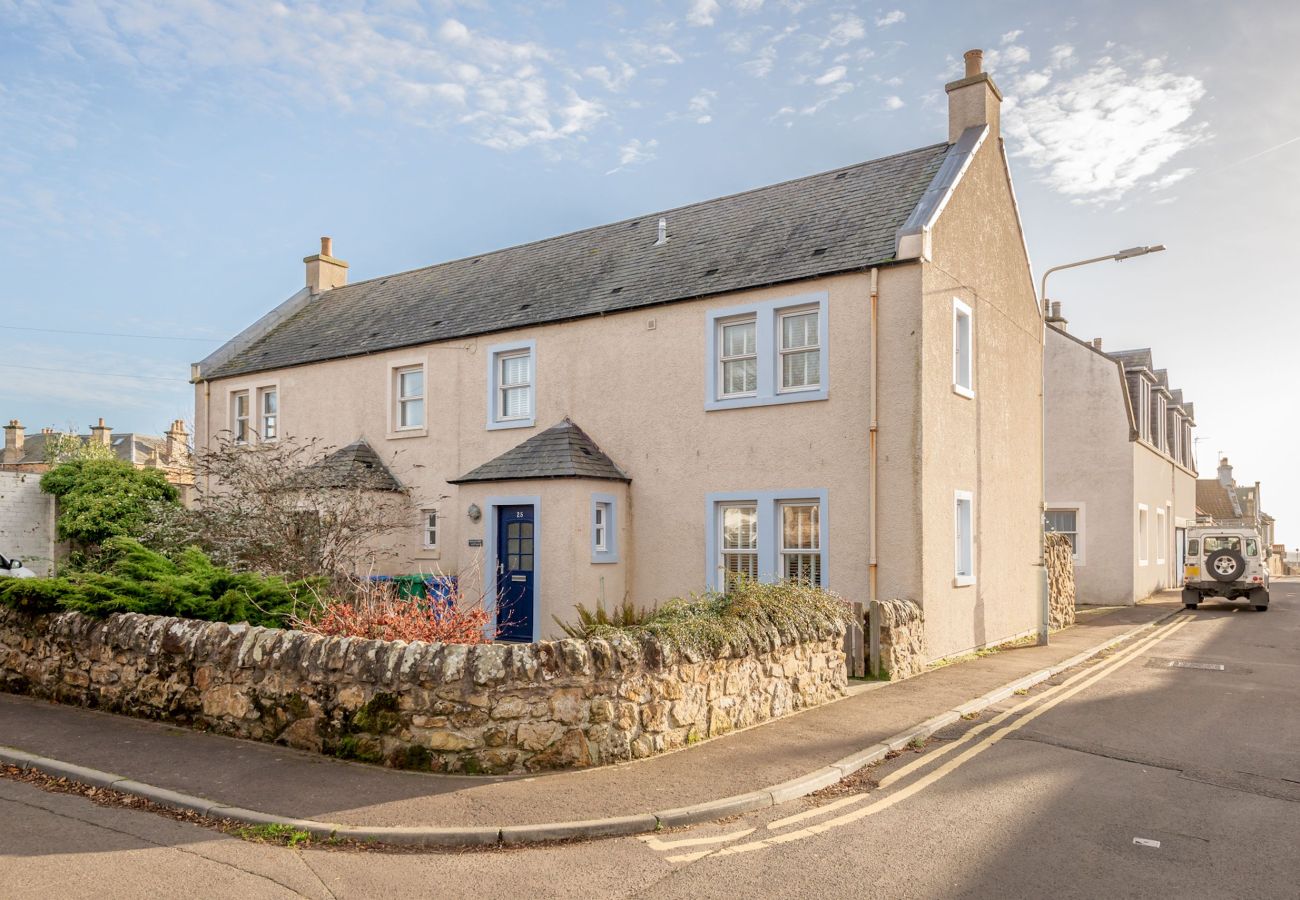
<point>1044,701</point>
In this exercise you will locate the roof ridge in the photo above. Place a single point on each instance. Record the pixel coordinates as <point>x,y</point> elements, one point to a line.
<point>638,218</point>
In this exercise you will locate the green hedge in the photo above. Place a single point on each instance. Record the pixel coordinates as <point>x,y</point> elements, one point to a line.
<point>136,579</point>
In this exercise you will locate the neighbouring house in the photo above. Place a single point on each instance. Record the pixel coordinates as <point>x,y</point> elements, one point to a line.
<point>833,378</point>
<point>1121,467</point>
<point>170,453</point>
<point>1221,501</point>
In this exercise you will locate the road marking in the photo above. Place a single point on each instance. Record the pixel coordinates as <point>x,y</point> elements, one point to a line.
<point>815,813</point>
<point>1146,842</point>
<point>1179,664</point>
<point>939,752</point>
<point>655,844</point>
<point>926,780</point>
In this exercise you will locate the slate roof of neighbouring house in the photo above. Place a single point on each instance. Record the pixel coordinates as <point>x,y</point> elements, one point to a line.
<point>1215,501</point>
<point>836,221</point>
<point>562,451</point>
<point>356,465</point>
<point>126,446</point>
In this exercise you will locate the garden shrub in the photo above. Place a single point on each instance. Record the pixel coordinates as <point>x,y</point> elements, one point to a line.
<point>133,578</point>
<point>743,615</point>
<point>101,499</point>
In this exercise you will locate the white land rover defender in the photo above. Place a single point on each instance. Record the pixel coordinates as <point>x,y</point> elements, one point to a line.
<point>1225,562</point>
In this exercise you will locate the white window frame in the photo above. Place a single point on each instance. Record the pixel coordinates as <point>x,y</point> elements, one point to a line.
<point>1080,510</point>
<point>963,538</point>
<point>272,433</point>
<point>429,524</point>
<point>400,400</point>
<point>963,349</point>
<point>1162,537</point>
<point>723,552</point>
<point>600,528</point>
<point>496,355</point>
<point>782,351</point>
<point>768,504</point>
<point>783,551</point>
<point>767,326</point>
<point>1143,537</point>
<point>723,359</point>
<point>604,516</point>
<point>245,419</point>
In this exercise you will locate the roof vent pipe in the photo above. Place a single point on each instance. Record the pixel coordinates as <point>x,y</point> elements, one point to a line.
<point>663,233</point>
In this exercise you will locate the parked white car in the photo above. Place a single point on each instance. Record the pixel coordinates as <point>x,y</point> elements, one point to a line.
<point>14,568</point>
<point>1230,563</point>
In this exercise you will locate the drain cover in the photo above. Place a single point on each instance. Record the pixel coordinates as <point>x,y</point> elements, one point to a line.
<point>1179,664</point>
<point>1165,663</point>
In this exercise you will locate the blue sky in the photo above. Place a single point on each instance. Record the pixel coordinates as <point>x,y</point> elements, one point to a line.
<point>164,166</point>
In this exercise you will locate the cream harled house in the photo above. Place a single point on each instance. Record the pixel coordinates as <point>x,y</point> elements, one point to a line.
<point>833,378</point>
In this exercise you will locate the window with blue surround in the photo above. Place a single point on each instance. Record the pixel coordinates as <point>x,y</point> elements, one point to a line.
<point>766,536</point>
<point>766,353</point>
<point>512,385</point>
<point>604,528</point>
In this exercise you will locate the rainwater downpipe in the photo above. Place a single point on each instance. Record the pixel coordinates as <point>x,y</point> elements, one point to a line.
<point>873,619</point>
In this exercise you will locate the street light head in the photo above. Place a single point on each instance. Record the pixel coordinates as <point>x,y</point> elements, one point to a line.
<point>1137,251</point>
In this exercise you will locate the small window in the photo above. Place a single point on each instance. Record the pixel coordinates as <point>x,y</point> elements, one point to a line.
<point>739,358</point>
<point>1161,536</point>
<point>429,529</point>
<point>963,377</point>
<point>739,524</point>
<point>1193,548</point>
<point>1252,547</point>
<point>239,417</point>
<point>801,554</point>
<point>270,412</point>
<point>515,382</point>
<point>963,527</point>
<point>1143,537</point>
<point>1222,542</point>
<point>801,364</point>
<point>410,397</point>
<point>600,527</point>
<point>1066,522</point>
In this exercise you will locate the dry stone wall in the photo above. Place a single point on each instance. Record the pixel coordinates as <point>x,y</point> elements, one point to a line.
<point>903,650</point>
<point>494,708</point>
<point>1060,580</point>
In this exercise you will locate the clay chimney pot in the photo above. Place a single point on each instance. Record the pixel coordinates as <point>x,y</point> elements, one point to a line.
<point>974,62</point>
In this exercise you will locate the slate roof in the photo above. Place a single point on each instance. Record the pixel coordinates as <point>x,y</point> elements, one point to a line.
<point>1133,359</point>
<point>562,451</point>
<point>127,446</point>
<point>1215,500</point>
<point>836,221</point>
<point>356,465</point>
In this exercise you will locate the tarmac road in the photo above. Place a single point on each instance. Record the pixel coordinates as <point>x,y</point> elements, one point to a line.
<point>1170,768</point>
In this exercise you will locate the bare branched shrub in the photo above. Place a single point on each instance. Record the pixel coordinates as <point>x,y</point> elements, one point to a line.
<point>284,508</point>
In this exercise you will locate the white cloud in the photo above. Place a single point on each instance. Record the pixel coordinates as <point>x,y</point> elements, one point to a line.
<point>634,153</point>
<point>745,7</point>
<point>1010,36</point>
<point>893,17</point>
<point>1098,135</point>
<point>702,13</point>
<point>762,64</point>
<point>832,75</point>
<point>894,102</point>
<point>701,106</point>
<point>1172,178</point>
<point>847,28</point>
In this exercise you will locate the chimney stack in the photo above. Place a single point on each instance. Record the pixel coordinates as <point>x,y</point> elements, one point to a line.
<point>101,433</point>
<point>14,436</point>
<point>1225,473</point>
<point>1096,343</point>
<point>178,443</point>
<point>974,100</point>
<point>1054,317</point>
<point>324,272</point>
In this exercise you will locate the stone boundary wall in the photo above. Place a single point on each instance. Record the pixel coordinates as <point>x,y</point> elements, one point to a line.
<point>1060,580</point>
<point>903,648</point>
<point>492,708</point>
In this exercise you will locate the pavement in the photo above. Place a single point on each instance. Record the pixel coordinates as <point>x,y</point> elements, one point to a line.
<point>754,768</point>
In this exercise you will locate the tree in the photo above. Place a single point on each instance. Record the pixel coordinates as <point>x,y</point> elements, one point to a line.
<point>287,508</point>
<point>104,498</point>
<point>62,447</point>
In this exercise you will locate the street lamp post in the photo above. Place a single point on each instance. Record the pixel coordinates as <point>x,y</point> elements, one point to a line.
<point>1045,596</point>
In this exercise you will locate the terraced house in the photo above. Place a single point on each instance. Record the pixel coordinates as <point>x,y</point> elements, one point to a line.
<point>1121,469</point>
<point>833,378</point>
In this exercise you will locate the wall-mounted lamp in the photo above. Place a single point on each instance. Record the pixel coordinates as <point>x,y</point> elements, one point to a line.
<point>474,512</point>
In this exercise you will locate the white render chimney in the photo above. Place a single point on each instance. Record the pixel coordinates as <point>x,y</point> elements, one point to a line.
<point>324,272</point>
<point>973,100</point>
<point>1225,473</point>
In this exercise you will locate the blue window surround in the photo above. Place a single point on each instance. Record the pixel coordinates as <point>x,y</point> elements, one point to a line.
<point>769,531</point>
<point>494,352</point>
<point>610,553</point>
<point>767,337</point>
<point>490,559</point>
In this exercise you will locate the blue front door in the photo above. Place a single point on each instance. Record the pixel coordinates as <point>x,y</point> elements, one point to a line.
<point>516,546</point>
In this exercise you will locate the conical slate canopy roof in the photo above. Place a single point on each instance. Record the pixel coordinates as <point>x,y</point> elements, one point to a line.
<point>561,451</point>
